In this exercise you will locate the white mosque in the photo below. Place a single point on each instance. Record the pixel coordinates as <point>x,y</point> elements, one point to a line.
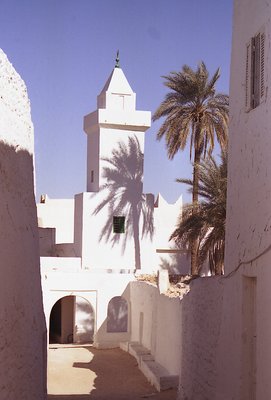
<point>92,246</point>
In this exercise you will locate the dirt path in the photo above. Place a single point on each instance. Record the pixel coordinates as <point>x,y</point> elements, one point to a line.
<point>82,373</point>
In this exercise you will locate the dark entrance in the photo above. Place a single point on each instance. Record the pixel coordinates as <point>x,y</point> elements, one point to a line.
<point>62,321</point>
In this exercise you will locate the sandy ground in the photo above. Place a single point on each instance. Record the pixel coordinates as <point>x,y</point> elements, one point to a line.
<point>81,373</point>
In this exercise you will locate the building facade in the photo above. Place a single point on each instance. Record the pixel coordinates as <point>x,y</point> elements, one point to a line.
<point>246,328</point>
<point>92,245</point>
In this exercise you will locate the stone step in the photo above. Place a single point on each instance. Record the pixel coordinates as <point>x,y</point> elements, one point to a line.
<point>156,374</point>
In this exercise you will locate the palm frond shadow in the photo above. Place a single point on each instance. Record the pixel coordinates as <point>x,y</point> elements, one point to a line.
<point>124,197</point>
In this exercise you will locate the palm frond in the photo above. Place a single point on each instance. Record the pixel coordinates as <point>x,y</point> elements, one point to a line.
<point>206,222</point>
<point>192,107</point>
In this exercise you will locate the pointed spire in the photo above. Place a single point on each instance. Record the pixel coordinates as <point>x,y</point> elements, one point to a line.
<point>117,65</point>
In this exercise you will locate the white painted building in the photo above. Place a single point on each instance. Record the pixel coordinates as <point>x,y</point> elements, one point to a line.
<point>246,326</point>
<point>92,246</point>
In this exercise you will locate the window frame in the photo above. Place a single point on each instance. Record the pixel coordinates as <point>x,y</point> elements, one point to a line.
<point>118,224</point>
<point>255,71</point>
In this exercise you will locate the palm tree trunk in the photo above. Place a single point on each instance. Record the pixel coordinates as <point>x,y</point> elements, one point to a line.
<point>195,200</point>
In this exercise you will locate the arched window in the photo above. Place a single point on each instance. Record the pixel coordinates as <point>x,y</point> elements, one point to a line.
<point>117,315</point>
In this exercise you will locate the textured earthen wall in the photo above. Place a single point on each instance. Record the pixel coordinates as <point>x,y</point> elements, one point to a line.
<point>246,358</point>
<point>22,333</point>
<point>200,339</point>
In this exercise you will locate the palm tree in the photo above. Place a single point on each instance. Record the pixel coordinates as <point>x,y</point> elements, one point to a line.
<point>193,112</point>
<point>207,222</point>
<point>123,189</point>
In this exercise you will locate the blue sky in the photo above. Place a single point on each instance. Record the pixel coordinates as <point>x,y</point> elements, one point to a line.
<point>65,51</point>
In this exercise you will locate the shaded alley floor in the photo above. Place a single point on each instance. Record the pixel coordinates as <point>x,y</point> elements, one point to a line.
<point>83,372</point>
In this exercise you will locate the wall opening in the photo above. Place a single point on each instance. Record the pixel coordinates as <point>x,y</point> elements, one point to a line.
<point>72,320</point>
<point>117,315</point>
<point>118,224</point>
<point>249,333</point>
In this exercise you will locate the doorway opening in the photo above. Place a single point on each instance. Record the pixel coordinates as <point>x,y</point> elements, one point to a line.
<point>72,320</point>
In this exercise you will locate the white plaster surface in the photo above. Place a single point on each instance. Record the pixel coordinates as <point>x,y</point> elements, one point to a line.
<point>98,289</point>
<point>166,218</point>
<point>97,251</point>
<point>174,336</point>
<point>156,321</point>
<point>115,120</point>
<point>23,331</point>
<point>248,234</point>
<point>58,214</point>
<point>49,264</point>
<point>249,194</point>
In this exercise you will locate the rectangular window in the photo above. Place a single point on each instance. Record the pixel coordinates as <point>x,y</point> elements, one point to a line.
<point>91,176</point>
<point>118,224</point>
<point>255,71</point>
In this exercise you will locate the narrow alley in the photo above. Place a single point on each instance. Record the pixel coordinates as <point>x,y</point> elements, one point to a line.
<point>78,372</point>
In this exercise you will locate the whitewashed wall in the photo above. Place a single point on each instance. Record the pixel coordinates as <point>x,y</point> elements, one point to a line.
<point>97,288</point>
<point>96,251</point>
<point>155,323</point>
<point>182,334</point>
<point>23,331</point>
<point>244,352</point>
<point>58,214</point>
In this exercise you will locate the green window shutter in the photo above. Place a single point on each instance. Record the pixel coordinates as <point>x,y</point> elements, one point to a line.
<point>118,224</point>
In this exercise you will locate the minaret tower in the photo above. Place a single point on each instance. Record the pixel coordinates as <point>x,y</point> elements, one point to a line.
<point>115,120</point>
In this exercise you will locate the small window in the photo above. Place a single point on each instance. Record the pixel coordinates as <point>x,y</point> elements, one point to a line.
<point>91,176</point>
<point>255,80</point>
<point>118,224</point>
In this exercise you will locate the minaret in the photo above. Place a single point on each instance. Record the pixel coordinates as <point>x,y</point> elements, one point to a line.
<point>115,120</point>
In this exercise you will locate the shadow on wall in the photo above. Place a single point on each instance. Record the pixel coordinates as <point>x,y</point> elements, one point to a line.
<point>84,321</point>
<point>116,327</point>
<point>177,262</point>
<point>108,367</point>
<point>20,287</point>
<point>117,315</point>
<point>124,198</point>
<point>108,374</point>
<point>72,320</point>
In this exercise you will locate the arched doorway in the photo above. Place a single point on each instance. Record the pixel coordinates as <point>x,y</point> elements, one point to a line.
<point>71,321</point>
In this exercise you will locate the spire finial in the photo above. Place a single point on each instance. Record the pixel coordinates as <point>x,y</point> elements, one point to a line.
<point>117,65</point>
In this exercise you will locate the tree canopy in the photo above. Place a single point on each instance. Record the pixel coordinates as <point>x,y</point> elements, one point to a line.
<point>207,221</point>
